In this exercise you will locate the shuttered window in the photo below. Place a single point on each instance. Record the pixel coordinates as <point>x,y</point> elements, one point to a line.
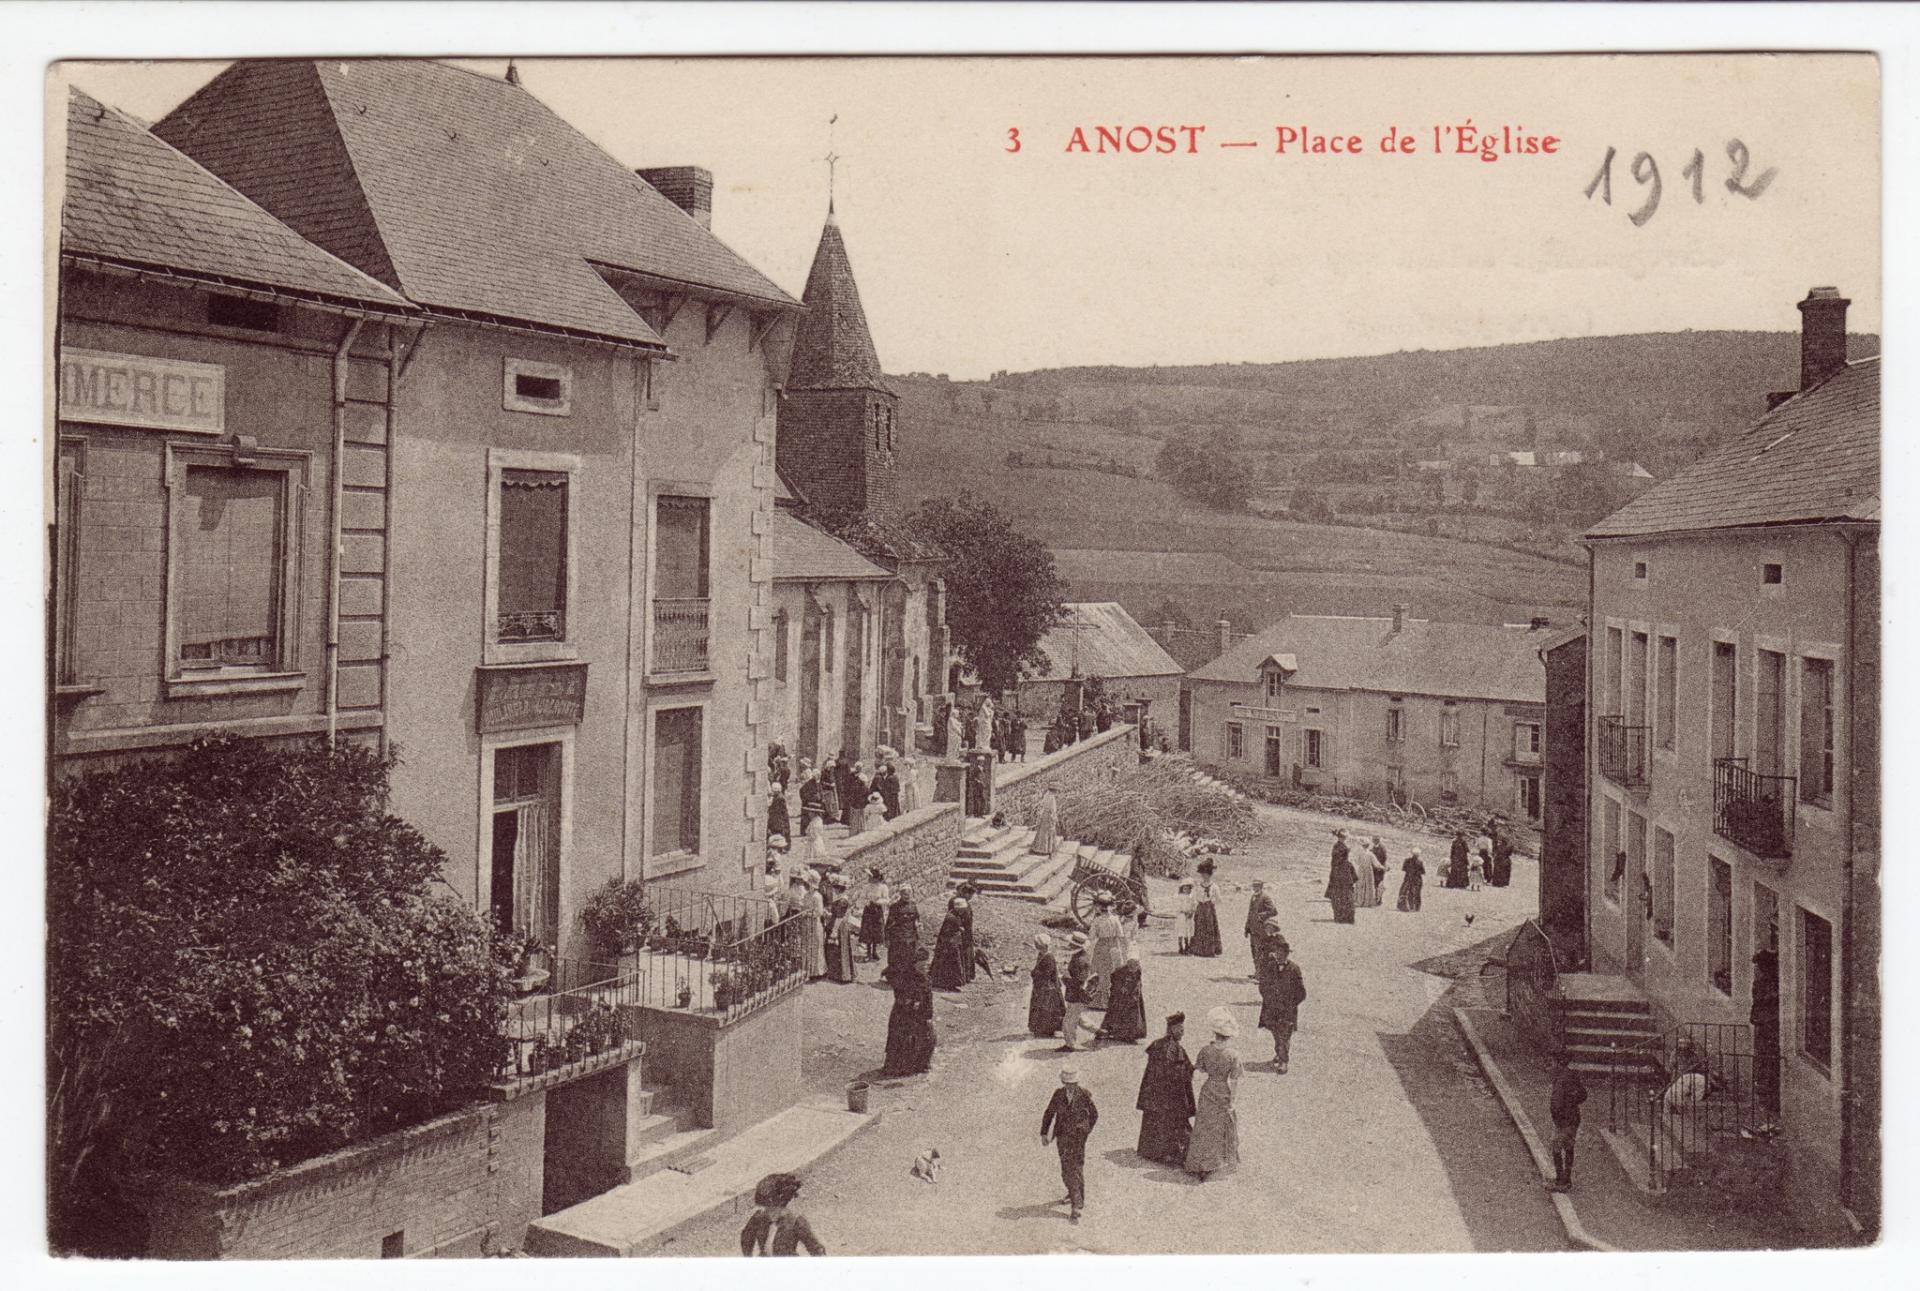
<point>232,532</point>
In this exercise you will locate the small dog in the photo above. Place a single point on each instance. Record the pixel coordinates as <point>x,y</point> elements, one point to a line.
<point>926,1166</point>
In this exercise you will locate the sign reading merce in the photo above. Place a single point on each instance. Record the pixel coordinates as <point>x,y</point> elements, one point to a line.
<point>135,390</point>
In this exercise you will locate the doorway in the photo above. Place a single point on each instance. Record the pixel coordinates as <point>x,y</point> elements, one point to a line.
<point>1273,752</point>
<point>1764,1008</point>
<point>1186,720</point>
<point>524,892</point>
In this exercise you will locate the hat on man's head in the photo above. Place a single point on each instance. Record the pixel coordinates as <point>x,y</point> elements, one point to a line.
<point>1176,1019</point>
<point>1077,939</point>
<point>1068,1076</point>
<point>1043,942</point>
<point>1259,883</point>
<point>776,1190</point>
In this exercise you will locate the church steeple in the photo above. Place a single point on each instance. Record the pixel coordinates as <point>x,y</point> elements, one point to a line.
<point>832,348</point>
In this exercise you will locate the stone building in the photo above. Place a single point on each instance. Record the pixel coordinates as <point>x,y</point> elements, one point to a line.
<point>221,475</point>
<point>1381,707</point>
<point>577,576</point>
<point>839,425</point>
<point>1100,639</point>
<point>1733,731</point>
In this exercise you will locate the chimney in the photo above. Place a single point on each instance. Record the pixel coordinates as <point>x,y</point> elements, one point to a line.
<point>1823,335</point>
<point>1225,629</point>
<point>1399,617</point>
<point>688,187</point>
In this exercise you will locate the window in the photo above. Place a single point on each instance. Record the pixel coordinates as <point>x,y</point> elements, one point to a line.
<point>233,566</point>
<point>1725,685</point>
<point>676,781</point>
<point>1236,741</point>
<point>1640,570</point>
<point>1769,712</point>
<point>1663,885</point>
<point>240,311</point>
<point>1449,786</point>
<point>532,591</point>
<point>1720,925</point>
<point>780,649</point>
<point>1816,731</point>
<point>1610,702</point>
<point>1771,574</point>
<point>394,1245</point>
<point>680,565</point>
<point>1529,797</point>
<point>1666,664</point>
<point>1816,988</point>
<point>1636,709</point>
<point>545,388</point>
<point>826,638</point>
<point>1611,853</point>
<point>1396,724</point>
<point>1450,726</point>
<point>1637,864</point>
<point>1316,747</point>
<point>1273,683</point>
<point>1526,741</point>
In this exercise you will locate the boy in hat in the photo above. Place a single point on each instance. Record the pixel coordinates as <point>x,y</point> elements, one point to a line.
<point>1068,1120</point>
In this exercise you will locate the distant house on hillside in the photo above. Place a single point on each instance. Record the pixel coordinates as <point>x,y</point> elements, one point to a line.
<point>1100,639</point>
<point>1381,707</point>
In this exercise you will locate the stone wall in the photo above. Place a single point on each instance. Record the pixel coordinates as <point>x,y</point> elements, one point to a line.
<point>459,1186</point>
<point>915,847</point>
<point>729,1075</point>
<point>1018,785</point>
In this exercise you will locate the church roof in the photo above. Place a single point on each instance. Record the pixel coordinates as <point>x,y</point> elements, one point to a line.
<point>802,552</point>
<point>884,538</point>
<point>1100,639</point>
<point>832,348</point>
<point>465,193</point>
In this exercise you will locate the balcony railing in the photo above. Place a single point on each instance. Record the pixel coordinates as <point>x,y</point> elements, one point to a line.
<point>1623,751</point>
<point>531,625</point>
<point>710,952</point>
<point>1753,810</point>
<point>581,1023</point>
<point>680,634</point>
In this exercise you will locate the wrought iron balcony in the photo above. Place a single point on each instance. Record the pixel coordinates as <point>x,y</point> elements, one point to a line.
<point>531,625</point>
<point>1623,752</point>
<point>1753,810</point>
<point>680,635</point>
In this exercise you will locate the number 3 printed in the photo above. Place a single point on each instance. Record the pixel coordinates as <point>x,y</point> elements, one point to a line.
<point>1013,138</point>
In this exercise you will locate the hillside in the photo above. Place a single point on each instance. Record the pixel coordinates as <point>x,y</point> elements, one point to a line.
<point>1075,457</point>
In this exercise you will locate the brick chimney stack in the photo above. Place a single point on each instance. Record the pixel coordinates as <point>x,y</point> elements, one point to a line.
<point>688,187</point>
<point>1823,335</point>
<point>1225,628</point>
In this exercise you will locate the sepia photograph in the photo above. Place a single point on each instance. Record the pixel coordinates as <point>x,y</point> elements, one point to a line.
<point>657,656</point>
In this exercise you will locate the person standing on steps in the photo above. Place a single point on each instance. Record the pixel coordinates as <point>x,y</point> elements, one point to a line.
<point>1568,1093</point>
<point>1046,825</point>
<point>1282,990</point>
<point>1067,1122</point>
<point>1166,1097</point>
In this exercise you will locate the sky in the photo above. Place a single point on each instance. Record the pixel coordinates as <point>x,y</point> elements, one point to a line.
<point>974,258</point>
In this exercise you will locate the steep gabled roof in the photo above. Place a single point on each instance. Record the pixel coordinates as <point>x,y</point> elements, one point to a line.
<point>1814,458</point>
<point>465,193</point>
<point>832,348</point>
<point>802,552</point>
<point>135,201</point>
<point>1100,639</point>
<point>1449,660</point>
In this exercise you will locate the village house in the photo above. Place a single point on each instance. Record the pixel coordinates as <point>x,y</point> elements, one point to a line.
<point>221,478</point>
<point>1734,807</point>
<point>1100,639</point>
<point>579,452</point>
<point>1396,707</point>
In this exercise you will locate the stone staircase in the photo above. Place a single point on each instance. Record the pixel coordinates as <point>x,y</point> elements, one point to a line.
<point>1606,1024</point>
<point>1201,777</point>
<point>997,862</point>
<point>665,1137</point>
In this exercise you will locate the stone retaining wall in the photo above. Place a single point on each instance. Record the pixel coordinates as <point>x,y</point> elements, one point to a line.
<point>1018,785</point>
<point>915,847</point>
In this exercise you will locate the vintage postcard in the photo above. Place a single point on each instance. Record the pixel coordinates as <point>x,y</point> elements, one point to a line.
<point>963,655</point>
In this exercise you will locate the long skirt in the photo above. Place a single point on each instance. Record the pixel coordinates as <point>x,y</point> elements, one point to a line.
<point>1410,892</point>
<point>813,941</point>
<point>1108,954</point>
<point>1216,1137</point>
<point>873,926</point>
<point>1206,931</point>
<point>948,972</point>
<point>1342,899</point>
<point>1165,1136</point>
<point>910,1042</point>
<point>1126,1013</point>
<point>1366,892</point>
<point>1046,834</point>
<point>1046,1008</point>
<point>840,956</point>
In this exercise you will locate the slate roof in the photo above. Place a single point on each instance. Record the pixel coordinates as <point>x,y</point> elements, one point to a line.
<point>136,201</point>
<point>884,538</point>
<point>1110,644</point>
<point>1814,458</point>
<point>1451,660</point>
<point>832,348</point>
<point>803,552</point>
<point>463,192</point>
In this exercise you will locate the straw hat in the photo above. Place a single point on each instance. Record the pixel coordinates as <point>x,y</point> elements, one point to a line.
<point>1069,1076</point>
<point>1222,1024</point>
<point>1078,939</point>
<point>1043,942</point>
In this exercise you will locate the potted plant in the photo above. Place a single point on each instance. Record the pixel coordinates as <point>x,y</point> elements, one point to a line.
<point>540,1056</point>
<point>617,918</point>
<point>725,987</point>
<point>685,995</point>
<point>532,960</point>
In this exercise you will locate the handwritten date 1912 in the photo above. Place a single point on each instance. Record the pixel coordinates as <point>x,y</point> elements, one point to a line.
<point>1646,172</point>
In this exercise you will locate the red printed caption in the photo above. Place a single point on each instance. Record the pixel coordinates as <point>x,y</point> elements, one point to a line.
<point>1488,144</point>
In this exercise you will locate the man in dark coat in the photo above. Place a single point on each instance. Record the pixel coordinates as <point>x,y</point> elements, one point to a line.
<point>1069,1119</point>
<point>910,1035</point>
<point>1282,989</point>
<point>886,783</point>
<point>1260,908</point>
<point>1568,1093</point>
<point>1166,1097</point>
<point>1341,876</point>
<point>1017,737</point>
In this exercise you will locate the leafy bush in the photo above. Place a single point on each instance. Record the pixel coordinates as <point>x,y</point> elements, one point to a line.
<point>247,967</point>
<point>617,918</point>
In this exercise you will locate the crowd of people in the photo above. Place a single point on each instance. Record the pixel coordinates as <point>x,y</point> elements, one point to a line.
<point>838,792</point>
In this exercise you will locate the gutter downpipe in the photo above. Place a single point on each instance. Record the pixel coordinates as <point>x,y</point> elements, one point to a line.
<point>334,526</point>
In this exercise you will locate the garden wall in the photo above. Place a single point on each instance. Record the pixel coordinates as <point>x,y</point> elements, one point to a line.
<point>915,847</point>
<point>459,1185</point>
<point>728,1074</point>
<point>1018,785</point>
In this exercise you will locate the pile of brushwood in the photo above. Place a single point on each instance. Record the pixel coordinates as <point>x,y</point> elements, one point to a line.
<point>1440,820</point>
<point>1159,813</point>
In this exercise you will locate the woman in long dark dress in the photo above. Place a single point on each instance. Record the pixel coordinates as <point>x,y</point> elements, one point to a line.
<point>873,915</point>
<point>779,821</point>
<point>1126,1019</point>
<point>1413,877</point>
<point>903,931</point>
<point>1166,1097</point>
<point>949,971</point>
<point>1341,877</point>
<point>1206,919</point>
<point>910,1036</point>
<point>963,903</point>
<point>830,791</point>
<point>1046,1007</point>
<point>1457,861</point>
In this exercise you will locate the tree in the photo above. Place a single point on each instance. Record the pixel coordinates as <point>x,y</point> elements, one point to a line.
<point>248,966</point>
<point>1003,592</point>
<point>1210,473</point>
<point>1168,611</point>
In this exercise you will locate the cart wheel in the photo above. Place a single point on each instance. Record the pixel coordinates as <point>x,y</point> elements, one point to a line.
<point>1113,885</point>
